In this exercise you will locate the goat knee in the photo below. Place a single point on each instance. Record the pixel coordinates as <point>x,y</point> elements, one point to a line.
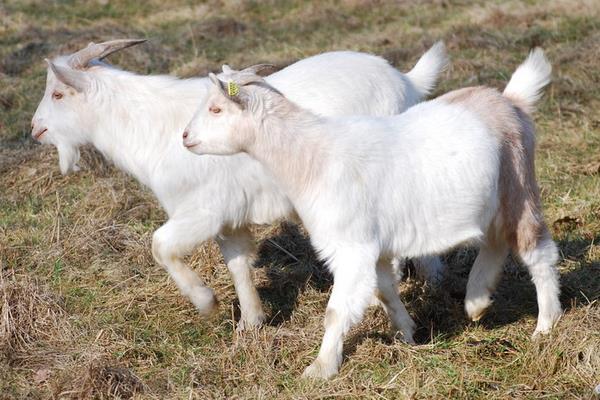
<point>190,285</point>
<point>165,250</point>
<point>158,248</point>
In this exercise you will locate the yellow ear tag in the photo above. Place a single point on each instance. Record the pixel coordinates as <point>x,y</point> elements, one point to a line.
<point>232,89</point>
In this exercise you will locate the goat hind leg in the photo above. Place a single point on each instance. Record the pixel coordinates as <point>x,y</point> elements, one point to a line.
<point>430,269</point>
<point>483,279</point>
<point>396,266</point>
<point>237,248</point>
<point>541,263</point>
<point>390,300</point>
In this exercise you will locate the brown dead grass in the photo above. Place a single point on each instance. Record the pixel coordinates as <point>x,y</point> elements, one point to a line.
<point>30,314</point>
<point>86,313</point>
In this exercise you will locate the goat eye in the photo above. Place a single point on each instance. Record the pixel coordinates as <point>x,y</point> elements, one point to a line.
<point>57,95</point>
<point>214,110</point>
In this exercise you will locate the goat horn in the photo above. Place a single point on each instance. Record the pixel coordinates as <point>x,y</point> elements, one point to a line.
<point>257,69</point>
<point>80,59</point>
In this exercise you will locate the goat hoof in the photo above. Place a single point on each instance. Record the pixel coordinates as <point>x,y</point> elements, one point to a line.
<point>317,370</point>
<point>408,339</point>
<point>477,308</point>
<point>205,301</point>
<point>476,318</point>
<point>544,327</point>
<point>539,333</point>
<point>254,322</point>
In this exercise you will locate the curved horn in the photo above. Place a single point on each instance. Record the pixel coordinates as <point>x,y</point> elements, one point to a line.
<point>80,59</point>
<point>259,68</point>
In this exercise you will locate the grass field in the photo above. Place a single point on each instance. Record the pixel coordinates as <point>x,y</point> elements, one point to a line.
<point>86,313</point>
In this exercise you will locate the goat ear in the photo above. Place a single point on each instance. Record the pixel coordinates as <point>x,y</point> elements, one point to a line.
<point>78,80</point>
<point>218,83</point>
<point>239,97</point>
<point>213,78</point>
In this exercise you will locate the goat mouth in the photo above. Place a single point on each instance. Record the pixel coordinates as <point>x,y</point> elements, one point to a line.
<point>190,145</point>
<point>39,134</point>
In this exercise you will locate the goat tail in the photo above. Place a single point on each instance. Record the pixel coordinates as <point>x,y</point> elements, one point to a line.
<point>426,72</point>
<point>526,84</point>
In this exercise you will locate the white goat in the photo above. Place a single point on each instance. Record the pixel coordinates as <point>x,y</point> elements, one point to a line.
<point>457,169</point>
<point>136,122</point>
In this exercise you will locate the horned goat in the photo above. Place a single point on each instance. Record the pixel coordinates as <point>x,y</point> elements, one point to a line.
<point>136,121</point>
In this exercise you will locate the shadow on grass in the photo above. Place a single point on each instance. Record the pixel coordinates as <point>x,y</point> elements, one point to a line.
<point>516,297</point>
<point>292,266</point>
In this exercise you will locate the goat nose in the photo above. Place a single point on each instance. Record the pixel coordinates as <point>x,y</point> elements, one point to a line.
<point>185,134</point>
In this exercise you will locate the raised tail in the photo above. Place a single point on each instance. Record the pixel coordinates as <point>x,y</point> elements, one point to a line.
<point>425,73</point>
<point>526,84</point>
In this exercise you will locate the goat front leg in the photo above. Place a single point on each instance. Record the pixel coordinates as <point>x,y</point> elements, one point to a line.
<point>176,239</point>
<point>354,283</point>
<point>238,249</point>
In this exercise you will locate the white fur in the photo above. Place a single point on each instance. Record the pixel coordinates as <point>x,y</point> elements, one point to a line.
<point>530,78</point>
<point>425,72</point>
<point>369,189</point>
<point>137,121</point>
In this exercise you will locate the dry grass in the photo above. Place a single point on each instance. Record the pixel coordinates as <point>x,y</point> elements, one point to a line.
<point>86,313</point>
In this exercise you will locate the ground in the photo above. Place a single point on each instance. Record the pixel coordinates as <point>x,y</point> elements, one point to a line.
<point>86,313</point>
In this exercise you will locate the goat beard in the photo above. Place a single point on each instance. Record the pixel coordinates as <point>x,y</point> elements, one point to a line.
<point>68,156</point>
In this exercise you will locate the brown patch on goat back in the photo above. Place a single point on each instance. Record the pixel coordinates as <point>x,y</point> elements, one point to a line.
<point>524,224</point>
<point>461,95</point>
<point>521,217</point>
<point>489,104</point>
